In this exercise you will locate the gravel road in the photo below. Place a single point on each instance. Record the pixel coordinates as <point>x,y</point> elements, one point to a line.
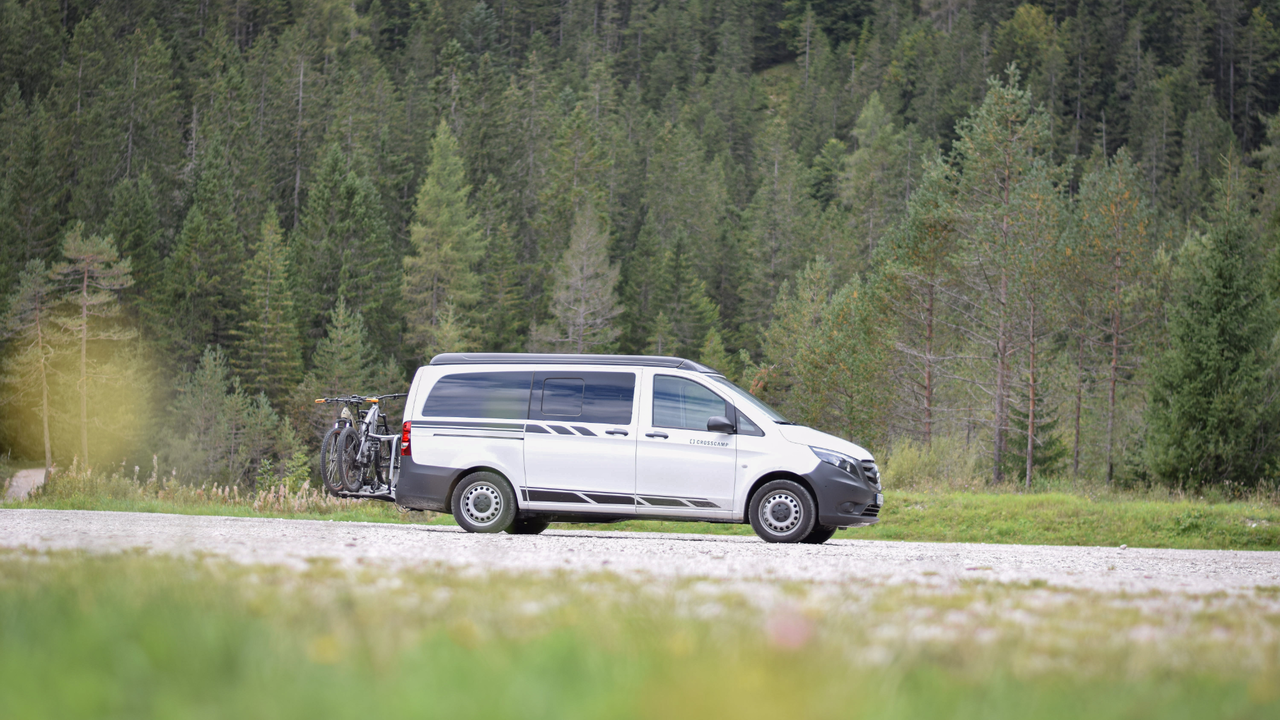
<point>664,555</point>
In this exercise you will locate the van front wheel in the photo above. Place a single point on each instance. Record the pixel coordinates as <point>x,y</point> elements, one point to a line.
<point>782,512</point>
<point>484,503</point>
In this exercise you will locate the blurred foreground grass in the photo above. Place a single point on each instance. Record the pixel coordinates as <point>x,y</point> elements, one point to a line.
<point>924,512</point>
<point>131,636</point>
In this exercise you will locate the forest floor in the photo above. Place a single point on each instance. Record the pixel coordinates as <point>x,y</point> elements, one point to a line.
<point>177,617</point>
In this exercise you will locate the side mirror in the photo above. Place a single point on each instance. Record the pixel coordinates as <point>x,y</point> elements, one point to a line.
<point>720,424</point>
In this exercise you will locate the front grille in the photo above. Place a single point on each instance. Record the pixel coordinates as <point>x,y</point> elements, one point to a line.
<point>872,510</point>
<point>871,471</point>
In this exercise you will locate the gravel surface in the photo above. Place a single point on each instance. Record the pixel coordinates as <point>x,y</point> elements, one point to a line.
<point>669,555</point>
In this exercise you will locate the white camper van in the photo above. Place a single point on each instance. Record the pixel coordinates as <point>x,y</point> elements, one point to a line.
<point>515,441</point>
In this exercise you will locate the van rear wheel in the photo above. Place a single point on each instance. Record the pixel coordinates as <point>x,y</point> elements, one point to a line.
<point>782,512</point>
<point>484,503</point>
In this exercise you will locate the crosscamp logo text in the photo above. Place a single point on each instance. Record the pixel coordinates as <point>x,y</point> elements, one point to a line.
<point>712,443</point>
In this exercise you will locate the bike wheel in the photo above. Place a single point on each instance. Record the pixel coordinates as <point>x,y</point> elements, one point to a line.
<point>330,475</point>
<point>348,448</point>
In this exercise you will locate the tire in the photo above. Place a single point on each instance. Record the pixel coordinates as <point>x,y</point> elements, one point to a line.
<point>484,503</point>
<point>330,474</point>
<point>528,526</point>
<point>348,445</point>
<point>819,534</point>
<point>782,511</point>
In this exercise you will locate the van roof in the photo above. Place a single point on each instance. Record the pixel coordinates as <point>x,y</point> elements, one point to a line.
<point>548,359</point>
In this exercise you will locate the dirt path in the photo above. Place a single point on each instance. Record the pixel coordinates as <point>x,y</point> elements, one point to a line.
<point>295,542</point>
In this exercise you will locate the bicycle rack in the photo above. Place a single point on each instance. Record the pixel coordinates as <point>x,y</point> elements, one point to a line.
<point>388,492</point>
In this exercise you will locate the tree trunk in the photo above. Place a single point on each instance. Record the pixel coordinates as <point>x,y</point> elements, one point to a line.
<point>297,147</point>
<point>44,394</point>
<point>1075,455</point>
<point>84,368</point>
<point>928,369</point>
<point>1115,363</point>
<point>1031,396</point>
<point>133,101</point>
<point>1002,369</point>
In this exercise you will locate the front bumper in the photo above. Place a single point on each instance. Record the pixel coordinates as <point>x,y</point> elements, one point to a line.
<point>844,500</point>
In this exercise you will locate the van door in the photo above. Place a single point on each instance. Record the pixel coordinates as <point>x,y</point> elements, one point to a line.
<point>580,442</point>
<point>681,467</point>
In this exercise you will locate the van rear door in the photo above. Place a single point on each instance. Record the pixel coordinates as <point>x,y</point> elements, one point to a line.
<point>580,441</point>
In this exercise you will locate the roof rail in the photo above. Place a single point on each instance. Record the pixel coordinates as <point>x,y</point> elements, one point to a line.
<point>550,359</point>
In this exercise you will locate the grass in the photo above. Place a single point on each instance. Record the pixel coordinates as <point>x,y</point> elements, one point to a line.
<point>923,512</point>
<point>143,637</point>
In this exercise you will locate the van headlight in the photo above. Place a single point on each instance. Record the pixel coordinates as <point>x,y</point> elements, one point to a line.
<point>840,460</point>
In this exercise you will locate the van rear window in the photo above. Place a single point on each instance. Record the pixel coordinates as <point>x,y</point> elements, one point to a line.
<point>498,395</point>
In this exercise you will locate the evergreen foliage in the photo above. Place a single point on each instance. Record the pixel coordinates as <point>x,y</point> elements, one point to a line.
<point>92,277</point>
<point>1211,417</point>
<point>440,281</point>
<point>268,357</point>
<point>583,304</point>
<point>996,188</point>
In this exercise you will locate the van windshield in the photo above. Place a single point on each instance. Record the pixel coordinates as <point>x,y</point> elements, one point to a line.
<point>752,400</point>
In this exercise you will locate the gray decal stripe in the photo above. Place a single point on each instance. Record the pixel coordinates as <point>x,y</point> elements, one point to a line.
<point>583,431</point>
<point>554,496</point>
<point>468,425</point>
<point>537,429</point>
<point>664,502</point>
<point>611,499</point>
<point>703,504</point>
<point>483,437</point>
<point>562,430</point>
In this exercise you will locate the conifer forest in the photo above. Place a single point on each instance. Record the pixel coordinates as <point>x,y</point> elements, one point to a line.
<point>1046,230</point>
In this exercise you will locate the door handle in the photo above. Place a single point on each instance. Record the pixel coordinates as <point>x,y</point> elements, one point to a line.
<point>662,435</point>
<point>616,432</point>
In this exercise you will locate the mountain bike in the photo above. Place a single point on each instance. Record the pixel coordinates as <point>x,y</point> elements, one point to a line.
<point>359,454</point>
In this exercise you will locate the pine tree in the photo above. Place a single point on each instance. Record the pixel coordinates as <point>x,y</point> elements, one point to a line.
<point>343,248</point>
<point>920,257</point>
<point>876,181</point>
<point>268,358</point>
<point>33,334</point>
<point>202,294</point>
<point>343,363</point>
<point>714,356</point>
<point>32,215</point>
<point>780,224</point>
<point>135,225</point>
<point>583,305</point>
<point>94,276</point>
<point>228,432</point>
<point>447,245</point>
<point>1210,417</point>
<point>1114,226</point>
<point>663,340</point>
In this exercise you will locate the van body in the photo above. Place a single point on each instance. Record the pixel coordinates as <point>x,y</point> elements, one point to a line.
<point>515,441</point>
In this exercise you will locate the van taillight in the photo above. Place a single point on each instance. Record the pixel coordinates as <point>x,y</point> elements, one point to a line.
<point>404,439</point>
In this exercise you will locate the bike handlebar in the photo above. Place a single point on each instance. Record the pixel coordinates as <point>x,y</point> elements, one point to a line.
<point>359,399</point>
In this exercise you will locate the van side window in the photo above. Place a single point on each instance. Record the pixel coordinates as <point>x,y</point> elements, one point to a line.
<point>498,395</point>
<point>684,404</point>
<point>563,397</point>
<point>746,427</point>
<point>585,397</point>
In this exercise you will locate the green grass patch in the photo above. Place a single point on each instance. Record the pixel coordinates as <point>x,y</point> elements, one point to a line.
<point>926,515</point>
<point>132,636</point>
<point>1062,519</point>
